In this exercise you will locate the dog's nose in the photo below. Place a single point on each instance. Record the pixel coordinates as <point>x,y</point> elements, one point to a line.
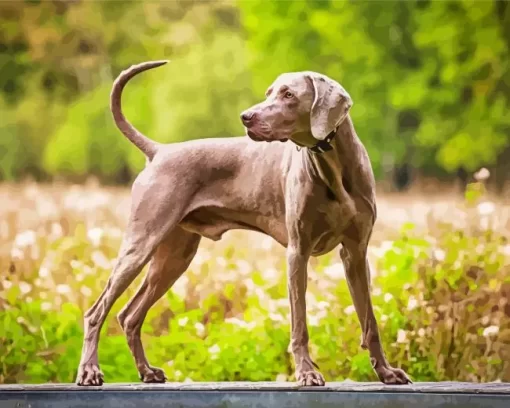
<point>247,116</point>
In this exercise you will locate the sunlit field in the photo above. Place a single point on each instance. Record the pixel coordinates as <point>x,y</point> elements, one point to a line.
<point>441,285</point>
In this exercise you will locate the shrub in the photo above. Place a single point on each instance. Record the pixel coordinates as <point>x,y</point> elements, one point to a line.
<point>440,296</point>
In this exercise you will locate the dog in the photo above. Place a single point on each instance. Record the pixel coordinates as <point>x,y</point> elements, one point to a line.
<point>310,187</point>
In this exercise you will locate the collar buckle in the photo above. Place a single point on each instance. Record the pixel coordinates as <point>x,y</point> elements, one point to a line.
<point>323,146</point>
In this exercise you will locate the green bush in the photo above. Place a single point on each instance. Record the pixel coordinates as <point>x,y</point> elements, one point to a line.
<point>440,296</point>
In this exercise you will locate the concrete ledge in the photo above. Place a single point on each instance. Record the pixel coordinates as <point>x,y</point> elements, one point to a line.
<point>263,395</point>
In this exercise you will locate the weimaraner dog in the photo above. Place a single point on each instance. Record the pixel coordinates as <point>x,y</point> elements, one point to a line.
<point>311,194</point>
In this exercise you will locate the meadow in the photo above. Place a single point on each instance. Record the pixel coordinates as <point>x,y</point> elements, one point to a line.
<point>441,290</point>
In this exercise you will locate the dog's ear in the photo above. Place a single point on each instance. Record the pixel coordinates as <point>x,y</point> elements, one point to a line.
<point>330,106</point>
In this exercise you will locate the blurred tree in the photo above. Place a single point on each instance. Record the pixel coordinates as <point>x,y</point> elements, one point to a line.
<point>199,94</point>
<point>426,77</point>
<point>430,80</point>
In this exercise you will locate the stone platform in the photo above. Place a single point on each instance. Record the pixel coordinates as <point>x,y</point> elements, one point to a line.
<point>257,395</point>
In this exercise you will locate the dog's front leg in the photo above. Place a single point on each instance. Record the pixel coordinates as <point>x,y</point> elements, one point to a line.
<point>297,260</point>
<point>357,272</point>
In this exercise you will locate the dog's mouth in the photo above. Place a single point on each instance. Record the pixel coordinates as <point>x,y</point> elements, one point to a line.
<point>258,138</point>
<point>254,136</point>
<point>259,134</point>
<point>262,132</point>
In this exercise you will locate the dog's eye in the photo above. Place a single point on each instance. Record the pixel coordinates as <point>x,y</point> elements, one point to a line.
<point>288,95</point>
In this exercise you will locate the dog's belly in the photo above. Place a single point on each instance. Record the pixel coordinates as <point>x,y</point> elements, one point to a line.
<point>212,222</point>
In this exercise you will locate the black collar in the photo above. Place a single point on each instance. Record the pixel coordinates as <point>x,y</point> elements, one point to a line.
<point>324,145</point>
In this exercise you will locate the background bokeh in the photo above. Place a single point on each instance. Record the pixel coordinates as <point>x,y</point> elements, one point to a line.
<point>430,82</point>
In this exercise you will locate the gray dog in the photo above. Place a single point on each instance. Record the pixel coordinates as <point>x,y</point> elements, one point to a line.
<point>309,195</point>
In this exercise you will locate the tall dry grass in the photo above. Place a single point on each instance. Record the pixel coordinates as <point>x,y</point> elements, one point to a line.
<point>440,288</point>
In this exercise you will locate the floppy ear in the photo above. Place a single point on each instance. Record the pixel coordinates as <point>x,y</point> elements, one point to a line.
<point>330,105</point>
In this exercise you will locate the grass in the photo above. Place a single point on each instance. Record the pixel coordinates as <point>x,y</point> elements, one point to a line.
<point>441,285</point>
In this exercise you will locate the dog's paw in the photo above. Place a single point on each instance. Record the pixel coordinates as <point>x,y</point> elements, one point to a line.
<point>89,375</point>
<point>310,378</point>
<point>394,376</point>
<point>153,375</point>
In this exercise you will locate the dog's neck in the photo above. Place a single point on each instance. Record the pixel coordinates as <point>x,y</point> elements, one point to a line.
<point>346,142</point>
<point>346,167</point>
<point>306,139</point>
<point>303,139</point>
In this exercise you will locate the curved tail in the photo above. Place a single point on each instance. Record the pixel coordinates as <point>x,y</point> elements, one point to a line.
<point>147,146</point>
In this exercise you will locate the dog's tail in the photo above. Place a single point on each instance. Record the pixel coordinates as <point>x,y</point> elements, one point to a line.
<point>147,146</point>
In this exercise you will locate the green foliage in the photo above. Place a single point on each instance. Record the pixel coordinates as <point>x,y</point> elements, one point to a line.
<point>440,297</point>
<point>430,80</point>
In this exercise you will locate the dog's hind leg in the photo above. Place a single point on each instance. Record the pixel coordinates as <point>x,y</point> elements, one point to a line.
<point>169,262</point>
<point>154,213</point>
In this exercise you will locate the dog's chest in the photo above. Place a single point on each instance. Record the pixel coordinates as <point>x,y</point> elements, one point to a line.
<point>330,221</point>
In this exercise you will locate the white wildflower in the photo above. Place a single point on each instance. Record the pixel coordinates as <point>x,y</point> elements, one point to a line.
<point>17,253</point>
<point>214,349</point>
<point>506,250</point>
<point>244,267</point>
<point>56,231</point>
<point>439,254</point>
<point>412,304</point>
<point>6,284</point>
<point>44,272</point>
<point>201,257</point>
<point>221,261</point>
<point>63,289</point>
<point>85,291</point>
<point>266,243</point>
<point>276,317</point>
<point>180,287</point>
<point>381,250</point>
<point>183,321</point>
<point>388,297</point>
<point>94,235</point>
<point>24,239</point>
<point>401,336</point>
<point>349,310</point>
<point>490,331</point>
<point>335,271</point>
<point>269,273</point>
<point>482,174</point>
<point>250,285</point>
<point>486,208</point>
<point>200,328</point>
<point>313,320</point>
<point>25,287</point>
<point>322,305</point>
<point>100,259</point>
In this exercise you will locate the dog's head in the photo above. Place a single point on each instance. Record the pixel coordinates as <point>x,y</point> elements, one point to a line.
<point>298,102</point>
